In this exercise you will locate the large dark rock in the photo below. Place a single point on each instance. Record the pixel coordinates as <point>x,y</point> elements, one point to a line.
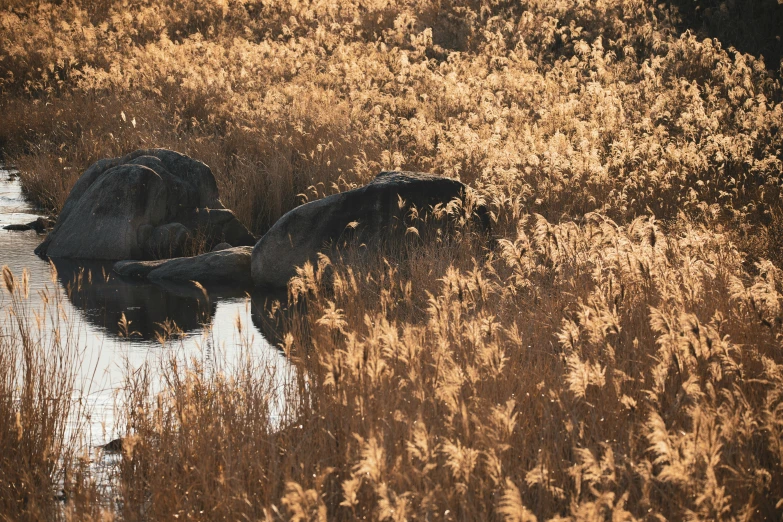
<point>148,204</point>
<point>230,266</point>
<point>367,214</point>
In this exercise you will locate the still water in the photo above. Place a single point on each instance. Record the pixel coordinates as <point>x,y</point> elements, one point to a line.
<point>95,301</point>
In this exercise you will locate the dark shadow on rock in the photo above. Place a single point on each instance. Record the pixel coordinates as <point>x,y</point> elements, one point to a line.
<point>752,26</point>
<point>103,297</point>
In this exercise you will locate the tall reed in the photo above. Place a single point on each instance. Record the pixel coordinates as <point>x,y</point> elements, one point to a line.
<point>43,463</point>
<point>583,371</point>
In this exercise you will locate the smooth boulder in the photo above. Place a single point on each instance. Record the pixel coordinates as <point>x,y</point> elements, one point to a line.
<point>229,266</point>
<point>367,214</point>
<point>221,246</point>
<point>146,205</point>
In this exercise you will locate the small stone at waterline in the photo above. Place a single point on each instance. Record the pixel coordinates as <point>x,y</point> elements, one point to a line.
<point>114,446</point>
<point>17,228</point>
<point>40,225</point>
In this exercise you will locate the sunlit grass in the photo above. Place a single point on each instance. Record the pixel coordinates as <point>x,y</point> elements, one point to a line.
<point>612,349</point>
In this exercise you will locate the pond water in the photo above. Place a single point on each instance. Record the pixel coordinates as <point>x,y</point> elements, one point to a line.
<point>95,300</point>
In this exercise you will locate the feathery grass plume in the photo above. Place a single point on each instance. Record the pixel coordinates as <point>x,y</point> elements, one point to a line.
<point>511,507</point>
<point>8,280</point>
<point>303,505</point>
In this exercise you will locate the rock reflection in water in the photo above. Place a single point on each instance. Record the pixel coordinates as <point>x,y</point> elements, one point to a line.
<point>104,297</point>
<point>271,314</point>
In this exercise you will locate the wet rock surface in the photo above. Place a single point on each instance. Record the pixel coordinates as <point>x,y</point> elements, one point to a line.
<point>146,205</point>
<point>230,266</point>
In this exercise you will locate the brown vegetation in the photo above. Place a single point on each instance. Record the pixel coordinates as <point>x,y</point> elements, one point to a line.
<point>613,352</point>
<point>40,420</point>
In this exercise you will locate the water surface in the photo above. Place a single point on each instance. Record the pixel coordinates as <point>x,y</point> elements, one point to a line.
<point>96,300</point>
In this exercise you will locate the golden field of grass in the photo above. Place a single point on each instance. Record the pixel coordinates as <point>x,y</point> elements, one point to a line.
<point>614,351</point>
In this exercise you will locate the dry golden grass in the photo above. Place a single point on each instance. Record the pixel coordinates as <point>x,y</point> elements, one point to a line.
<point>636,378</point>
<point>568,108</point>
<point>613,351</point>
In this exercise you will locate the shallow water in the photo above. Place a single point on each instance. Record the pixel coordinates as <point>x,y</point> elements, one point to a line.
<point>95,300</point>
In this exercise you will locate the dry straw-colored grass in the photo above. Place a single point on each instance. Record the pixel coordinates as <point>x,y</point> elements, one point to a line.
<point>612,351</point>
<point>41,418</point>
